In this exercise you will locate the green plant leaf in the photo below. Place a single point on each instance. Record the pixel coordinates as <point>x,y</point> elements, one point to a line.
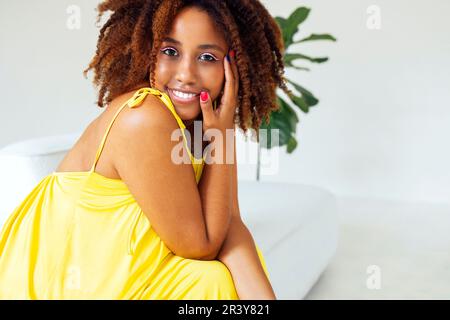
<point>282,22</point>
<point>288,113</point>
<point>314,37</point>
<point>309,98</point>
<point>292,145</point>
<point>300,102</point>
<point>290,25</point>
<point>289,57</point>
<point>299,68</point>
<point>277,121</point>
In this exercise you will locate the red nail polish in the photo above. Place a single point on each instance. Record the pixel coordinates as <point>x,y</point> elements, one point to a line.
<point>204,96</point>
<point>232,54</point>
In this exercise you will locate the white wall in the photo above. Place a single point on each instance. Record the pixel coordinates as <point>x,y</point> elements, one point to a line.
<point>379,130</point>
<point>382,126</point>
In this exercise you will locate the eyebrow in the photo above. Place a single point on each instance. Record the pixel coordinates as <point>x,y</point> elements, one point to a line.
<point>202,46</point>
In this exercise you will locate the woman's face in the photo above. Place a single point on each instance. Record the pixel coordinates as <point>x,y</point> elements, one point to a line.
<point>191,60</point>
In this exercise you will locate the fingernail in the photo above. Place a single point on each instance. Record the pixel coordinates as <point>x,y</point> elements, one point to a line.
<point>232,53</point>
<point>203,96</point>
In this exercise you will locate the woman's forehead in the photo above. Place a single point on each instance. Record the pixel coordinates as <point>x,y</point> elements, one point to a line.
<point>193,26</point>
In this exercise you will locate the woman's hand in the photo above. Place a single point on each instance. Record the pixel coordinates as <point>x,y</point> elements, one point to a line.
<point>222,118</point>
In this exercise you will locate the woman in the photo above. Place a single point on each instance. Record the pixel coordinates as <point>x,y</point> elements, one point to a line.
<point>122,217</point>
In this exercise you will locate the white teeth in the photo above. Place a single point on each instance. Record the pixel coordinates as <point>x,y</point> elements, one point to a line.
<point>183,95</point>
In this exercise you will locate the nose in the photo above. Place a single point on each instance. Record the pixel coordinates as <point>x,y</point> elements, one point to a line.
<point>186,72</point>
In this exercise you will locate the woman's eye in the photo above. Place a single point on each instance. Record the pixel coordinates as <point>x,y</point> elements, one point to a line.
<point>167,49</point>
<point>208,55</point>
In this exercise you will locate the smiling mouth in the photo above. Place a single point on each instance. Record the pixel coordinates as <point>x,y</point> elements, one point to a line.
<point>182,98</point>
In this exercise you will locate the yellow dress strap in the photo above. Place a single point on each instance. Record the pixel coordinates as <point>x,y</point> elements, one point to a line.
<point>136,100</point>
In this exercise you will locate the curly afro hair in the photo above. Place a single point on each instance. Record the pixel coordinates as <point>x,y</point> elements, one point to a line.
<point>130,39</point>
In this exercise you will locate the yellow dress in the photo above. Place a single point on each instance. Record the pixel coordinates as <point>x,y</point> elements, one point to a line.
<point>80,235</point>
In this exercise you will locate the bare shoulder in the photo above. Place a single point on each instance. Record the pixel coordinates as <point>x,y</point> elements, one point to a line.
<point>152,111</point>
<point>147,127</point>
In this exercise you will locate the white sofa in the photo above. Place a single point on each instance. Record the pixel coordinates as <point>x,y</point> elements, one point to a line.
<point>295,225</point>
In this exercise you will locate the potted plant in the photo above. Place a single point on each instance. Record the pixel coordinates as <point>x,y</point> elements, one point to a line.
<point>285,118</point>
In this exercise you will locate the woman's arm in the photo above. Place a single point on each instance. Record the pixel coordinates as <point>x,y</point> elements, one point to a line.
<point>239,253</point>
<point>241,258</point>
<point>215,193</point>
